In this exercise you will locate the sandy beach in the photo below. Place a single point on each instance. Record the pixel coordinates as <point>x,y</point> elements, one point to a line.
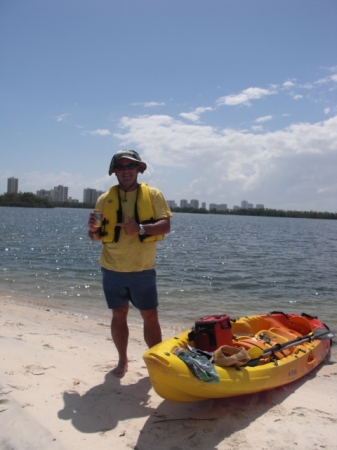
<point>57,392</point>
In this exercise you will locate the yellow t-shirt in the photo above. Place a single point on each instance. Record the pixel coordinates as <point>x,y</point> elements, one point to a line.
<point>129,254</point>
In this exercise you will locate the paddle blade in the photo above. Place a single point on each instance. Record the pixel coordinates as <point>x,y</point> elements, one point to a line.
<point>322,333</point>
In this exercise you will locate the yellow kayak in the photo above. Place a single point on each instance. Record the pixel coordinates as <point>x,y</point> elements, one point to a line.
<point>281,348</point>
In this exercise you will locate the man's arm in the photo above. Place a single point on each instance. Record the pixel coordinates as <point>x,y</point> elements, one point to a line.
<point>161,226</point>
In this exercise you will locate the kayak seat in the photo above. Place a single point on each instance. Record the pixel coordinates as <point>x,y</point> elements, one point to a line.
<point>289,334</point>
<point>249,342</point>
<point>242,328</point>
<point>300,324</point>
<point>263,341</point>
<point>257,323</point>
<point>271,337</point>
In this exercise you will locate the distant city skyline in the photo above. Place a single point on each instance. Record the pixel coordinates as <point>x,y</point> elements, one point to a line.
<point>194,203</point>
<point>90,195</point>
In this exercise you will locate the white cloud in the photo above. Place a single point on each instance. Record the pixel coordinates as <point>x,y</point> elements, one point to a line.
<point>61,117</point>
<point>245,96</point>
<point>152,104</point>
<point>100,132</point>
<point>326,80</point>
<point>273,165</point>
<point>293,167</point>
<point>148,104</point>
<point>288,84</point>
<point>162,136</point>
<point>296,96</point>
<point>194,116</point>
<point>263,119</point>
<point>307,86</point>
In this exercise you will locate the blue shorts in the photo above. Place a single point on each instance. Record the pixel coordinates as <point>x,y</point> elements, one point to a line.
<point>140,288</point>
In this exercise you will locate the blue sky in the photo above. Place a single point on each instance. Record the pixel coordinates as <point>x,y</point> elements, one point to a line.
<point>224,100</point>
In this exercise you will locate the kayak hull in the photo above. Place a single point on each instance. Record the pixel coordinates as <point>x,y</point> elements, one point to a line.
<point>172,379</point>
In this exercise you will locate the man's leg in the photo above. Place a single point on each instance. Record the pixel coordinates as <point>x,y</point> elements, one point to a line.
<point>120,336</point>
<point>152,331</point>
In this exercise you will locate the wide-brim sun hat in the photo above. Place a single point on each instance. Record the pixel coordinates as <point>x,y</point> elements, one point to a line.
<point>227,356</point>
<point>127,154</point>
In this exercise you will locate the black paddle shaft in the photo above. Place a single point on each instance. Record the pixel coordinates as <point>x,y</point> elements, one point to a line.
<point>318,333</point>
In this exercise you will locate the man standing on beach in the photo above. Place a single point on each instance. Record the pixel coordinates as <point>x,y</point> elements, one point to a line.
<point>134,217</point>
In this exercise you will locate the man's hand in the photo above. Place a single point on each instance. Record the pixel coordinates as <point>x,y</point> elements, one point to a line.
<point>93,232</point>
<point>131,227</point>
<point>92,222</point>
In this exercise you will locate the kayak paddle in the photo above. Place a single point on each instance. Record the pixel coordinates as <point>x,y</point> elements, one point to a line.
<point>318,333</point>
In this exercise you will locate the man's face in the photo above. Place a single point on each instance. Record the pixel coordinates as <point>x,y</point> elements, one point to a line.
<point>126,172</point>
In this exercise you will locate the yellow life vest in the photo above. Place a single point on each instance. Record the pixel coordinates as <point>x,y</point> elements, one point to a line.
<point>112,212</point>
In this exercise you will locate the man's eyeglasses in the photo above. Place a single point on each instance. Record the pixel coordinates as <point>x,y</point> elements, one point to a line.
<point>129,166</point>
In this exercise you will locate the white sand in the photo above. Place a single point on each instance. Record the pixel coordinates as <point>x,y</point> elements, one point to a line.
<point>56,392</point>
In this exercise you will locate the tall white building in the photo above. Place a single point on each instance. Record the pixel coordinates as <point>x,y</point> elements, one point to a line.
<point>43,193</point>
<point>221,207</point>
<point>171,203</point>
<point>195,203</point>
<point>60,194</point>
<point>91,195</point>
<point>12,185</point>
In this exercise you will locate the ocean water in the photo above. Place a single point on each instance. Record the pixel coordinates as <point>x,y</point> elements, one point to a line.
<point>208,264</point>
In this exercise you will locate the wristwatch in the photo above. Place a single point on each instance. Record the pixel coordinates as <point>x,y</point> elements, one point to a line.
<point>141,230</point>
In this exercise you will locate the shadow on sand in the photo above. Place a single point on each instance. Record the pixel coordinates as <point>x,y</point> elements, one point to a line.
<point>176,426</point>
<point>103,406</point>
<point>205,424</point>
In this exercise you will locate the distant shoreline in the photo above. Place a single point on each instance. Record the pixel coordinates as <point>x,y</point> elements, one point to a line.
<point>265,212</point>
<point>29,200</point>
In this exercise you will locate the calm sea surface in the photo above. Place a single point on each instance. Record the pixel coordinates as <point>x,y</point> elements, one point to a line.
<point>208,264</point>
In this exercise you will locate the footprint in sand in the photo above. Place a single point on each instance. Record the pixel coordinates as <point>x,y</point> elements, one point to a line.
<point>106,368</point>
<point>3,402</point>
<point>37,370</point>
<point>48,347</point>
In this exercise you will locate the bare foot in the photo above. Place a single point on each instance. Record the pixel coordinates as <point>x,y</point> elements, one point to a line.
<point>120,370</point>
